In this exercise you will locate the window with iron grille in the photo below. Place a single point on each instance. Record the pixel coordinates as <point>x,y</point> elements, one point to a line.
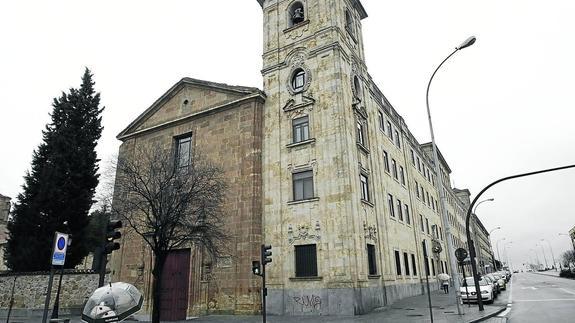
<point>306,261</point>
<point>300,129</point>
<point>397,263</point>
<point>183,151</point>
<point>302,185</point>
<point>413,265</point>
<point>390,205</point>
<point>406,263</point>
<point>399,210</point>
<point>371,259</point>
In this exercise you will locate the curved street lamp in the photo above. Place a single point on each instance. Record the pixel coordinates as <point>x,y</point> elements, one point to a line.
<point>552,255</point>
<point>498,254</point>
<point>438,182</point>
<point>544,257</point>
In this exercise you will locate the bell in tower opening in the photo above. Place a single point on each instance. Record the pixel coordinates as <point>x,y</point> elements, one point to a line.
<point>297,14</point>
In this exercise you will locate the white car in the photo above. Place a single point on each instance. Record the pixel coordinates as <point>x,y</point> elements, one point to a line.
<point>470,295</point>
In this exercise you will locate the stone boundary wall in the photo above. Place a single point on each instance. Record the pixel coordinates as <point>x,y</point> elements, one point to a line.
<point>30,290</point>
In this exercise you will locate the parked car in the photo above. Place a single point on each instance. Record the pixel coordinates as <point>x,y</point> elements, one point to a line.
<point>500,280</point>
<point>491,279</point>
<point>469,293</point>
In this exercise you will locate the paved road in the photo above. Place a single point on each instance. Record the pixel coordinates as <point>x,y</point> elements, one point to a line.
<point>540,298</point>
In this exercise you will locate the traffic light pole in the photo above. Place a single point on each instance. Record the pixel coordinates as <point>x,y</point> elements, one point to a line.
<point>264,293</point>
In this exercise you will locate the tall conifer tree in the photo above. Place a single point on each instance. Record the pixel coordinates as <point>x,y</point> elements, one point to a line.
<point>59,189</point>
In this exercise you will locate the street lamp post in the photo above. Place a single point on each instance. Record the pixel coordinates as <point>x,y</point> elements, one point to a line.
<point>544,257</point>
<point>492,252</point>
<point>438,182</point>
<point>536,258</point>
<point>498,254</point>
<point>507,254</point>
<point>552,255</point>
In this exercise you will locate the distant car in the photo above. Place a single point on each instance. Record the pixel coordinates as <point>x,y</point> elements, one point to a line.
<point>469,294</point>
<point>516,271</point>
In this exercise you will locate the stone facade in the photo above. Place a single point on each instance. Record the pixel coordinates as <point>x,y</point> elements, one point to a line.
<point>225,123</point>
<point>30,292</point>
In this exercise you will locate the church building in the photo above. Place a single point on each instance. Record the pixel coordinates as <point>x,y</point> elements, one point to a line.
<point>320,166</point>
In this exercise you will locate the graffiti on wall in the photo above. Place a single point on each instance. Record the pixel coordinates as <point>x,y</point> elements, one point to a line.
<point>312,302</point>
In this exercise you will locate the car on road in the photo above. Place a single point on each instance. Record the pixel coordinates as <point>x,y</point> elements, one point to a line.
<point>469,293</point>
<point>490,279</point>
<point>501,281</point>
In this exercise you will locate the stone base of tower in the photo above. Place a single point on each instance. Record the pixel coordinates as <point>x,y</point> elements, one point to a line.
<point>339,301</point>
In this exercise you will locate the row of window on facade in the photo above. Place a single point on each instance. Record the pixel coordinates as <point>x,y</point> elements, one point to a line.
<point>392,134</point>
<point>423,170</point>
<point>425,197</point>
<point>306,262</point>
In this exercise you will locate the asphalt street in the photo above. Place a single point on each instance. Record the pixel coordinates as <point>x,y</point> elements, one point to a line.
<point>539,298</point>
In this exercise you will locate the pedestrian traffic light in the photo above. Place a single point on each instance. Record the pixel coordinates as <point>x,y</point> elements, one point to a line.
<point>256,268</point>
<point>266,254</point>
<point>111,235</point>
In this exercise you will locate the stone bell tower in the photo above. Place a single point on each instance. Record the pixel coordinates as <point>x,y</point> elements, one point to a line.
<point>317,170</point>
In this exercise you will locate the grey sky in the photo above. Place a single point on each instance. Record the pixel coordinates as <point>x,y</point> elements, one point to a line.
<point>500,107</point>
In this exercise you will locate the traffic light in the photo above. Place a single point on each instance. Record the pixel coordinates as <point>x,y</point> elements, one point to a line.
<point>266,254</point>
<point>111,235</point>
<point>256,268</point>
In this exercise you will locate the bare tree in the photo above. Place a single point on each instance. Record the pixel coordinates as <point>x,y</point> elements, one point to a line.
<point>568,258</point>
<point>170,206</point>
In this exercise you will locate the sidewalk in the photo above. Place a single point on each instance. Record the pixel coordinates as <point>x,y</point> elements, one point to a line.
<point>413,309</point>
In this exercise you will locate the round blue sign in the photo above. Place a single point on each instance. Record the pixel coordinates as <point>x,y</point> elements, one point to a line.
<point>61,243</point>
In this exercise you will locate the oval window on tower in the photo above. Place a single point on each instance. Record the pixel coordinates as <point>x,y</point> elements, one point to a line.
<point>298,80</point>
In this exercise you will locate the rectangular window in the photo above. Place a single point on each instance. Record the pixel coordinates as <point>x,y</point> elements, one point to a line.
<point>427,225</point>
<point>406,263</point>
<point>389,129</point>
<point>360,133</point>
<point>432,266</point>
<point>364,187</point>
<point>302,185</point>
<point>401,175</point>
<point>183,151</point>
<point>417,189</point>
<point>440,233</point>
<point>412,157</point>
<point>306,261</point>
<point>427,195</point>
<point>397,139</point>
<point>394,168</point>
<point>397,263</point>
<point>399,211</point>
<point>422,224</point>
<point>390,205</point>
<point>300,129</point>
<point>406,213</point>
<point>418,165</point>
<point>371,259</point>
<point>433,203</point>
<point>381,122</point>
<point>386,161</point>
<point>413,265</point>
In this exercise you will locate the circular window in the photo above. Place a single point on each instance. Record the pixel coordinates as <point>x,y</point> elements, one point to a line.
<point>298,80</point>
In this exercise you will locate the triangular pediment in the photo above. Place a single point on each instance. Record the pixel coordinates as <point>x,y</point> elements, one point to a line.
<point>186,98</point>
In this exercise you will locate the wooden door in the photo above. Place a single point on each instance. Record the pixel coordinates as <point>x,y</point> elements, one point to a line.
<point>174,290</point>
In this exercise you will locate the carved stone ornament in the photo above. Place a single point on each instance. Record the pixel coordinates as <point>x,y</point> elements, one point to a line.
<point>297,61</point>
<point>297,31</point>
<point>305,104</point>
<point>304,232</point>
<point>436,246</point>
<point>370,232</point>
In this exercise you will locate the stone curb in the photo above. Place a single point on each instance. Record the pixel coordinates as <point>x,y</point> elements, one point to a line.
<point>503,308</point>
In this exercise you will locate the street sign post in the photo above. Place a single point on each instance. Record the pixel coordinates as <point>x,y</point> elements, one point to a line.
<point>58,259</point>
<point>461,255</point>
<point>59,250</point>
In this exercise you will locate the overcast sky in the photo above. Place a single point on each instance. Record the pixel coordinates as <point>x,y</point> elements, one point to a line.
<point>501,107</point>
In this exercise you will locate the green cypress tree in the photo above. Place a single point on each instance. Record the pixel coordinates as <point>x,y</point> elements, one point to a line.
<point>59,189</point>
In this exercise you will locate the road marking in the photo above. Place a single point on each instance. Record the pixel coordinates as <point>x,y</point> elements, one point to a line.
<point>545,300</point>
<point>567,291</point>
